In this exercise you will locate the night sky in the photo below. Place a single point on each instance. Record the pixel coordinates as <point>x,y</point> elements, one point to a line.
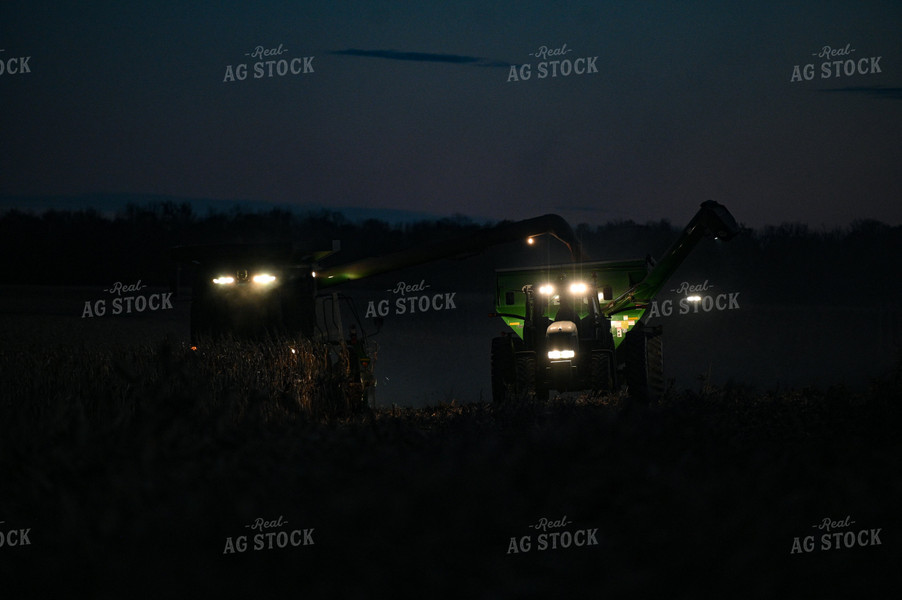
<point>412,107</point>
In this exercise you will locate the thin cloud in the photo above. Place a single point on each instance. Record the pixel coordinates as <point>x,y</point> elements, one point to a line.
<point>422,57</point>
<point>581,208</point>
<point>876,91</point>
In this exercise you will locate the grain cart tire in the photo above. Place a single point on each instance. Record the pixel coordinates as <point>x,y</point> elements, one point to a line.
<point>600,371</point>
<point>644,348</point>
<point>503,376</point>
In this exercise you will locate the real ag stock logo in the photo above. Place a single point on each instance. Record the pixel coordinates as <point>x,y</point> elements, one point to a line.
<point>836,63</point>
<point>268,62</point>
<point>694,298</point>
<point>836,535</point>
<point>268,535</point>
<point>13,537</point>
<point>13,65</point>
<point>553,62</point>
<point>553,534</point>
<point>409,299</point>
<point>125,301</point>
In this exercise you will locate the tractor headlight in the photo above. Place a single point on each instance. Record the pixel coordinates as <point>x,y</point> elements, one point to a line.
<point>578,288</point>
<point>224,280</point>
<point>264,278</point>
<point>561,354</point>
<point>546,290</point>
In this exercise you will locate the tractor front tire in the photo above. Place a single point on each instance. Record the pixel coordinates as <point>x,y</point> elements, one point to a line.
<point>527,385</point>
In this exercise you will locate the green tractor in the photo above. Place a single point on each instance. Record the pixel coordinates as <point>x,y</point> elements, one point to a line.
<point>580,326</point>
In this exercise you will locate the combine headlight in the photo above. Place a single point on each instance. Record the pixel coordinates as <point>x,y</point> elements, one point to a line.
<point>578,288</point>
<point>264,278</point>
<point>224,280</point>
<point>561,354</point>
<point>546,290</point>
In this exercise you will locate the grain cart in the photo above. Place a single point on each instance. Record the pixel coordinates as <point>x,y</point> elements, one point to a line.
<point>580,326</point>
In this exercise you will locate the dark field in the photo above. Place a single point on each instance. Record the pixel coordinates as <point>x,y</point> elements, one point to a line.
<point>134,470</point>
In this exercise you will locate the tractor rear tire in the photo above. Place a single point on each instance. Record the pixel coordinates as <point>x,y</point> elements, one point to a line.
<point>644,348</point>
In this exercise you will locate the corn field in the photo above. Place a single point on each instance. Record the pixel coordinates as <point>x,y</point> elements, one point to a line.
<point>132,465</point>
<point>51,388</point>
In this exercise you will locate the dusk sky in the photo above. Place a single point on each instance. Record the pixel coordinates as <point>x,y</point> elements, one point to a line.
<point>413,106</point>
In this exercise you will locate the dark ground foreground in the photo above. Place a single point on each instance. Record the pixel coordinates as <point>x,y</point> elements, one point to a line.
<point>702,495</point>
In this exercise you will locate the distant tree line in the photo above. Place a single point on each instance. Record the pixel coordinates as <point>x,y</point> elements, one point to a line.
<point>88,247</point>
<point>793,262</point>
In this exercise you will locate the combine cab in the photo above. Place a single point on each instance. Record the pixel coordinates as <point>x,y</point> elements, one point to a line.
<point>580,326</point>
<point>251,291</point>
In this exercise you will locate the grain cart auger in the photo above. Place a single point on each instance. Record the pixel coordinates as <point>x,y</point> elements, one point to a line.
<point>254,290</point>
<point>580,326</point>
<point>266,291</point>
